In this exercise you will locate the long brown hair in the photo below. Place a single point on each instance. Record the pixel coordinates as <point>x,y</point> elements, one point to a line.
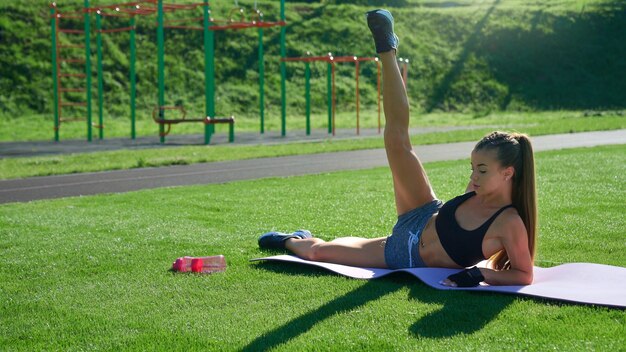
<point>515,149</point>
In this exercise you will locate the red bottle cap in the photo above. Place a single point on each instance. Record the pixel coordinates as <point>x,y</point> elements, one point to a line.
<point>179,265</point>
<point>196,265</point>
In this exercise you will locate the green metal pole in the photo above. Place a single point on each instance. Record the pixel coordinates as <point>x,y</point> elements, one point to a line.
<point>283,72</point>
<point>88,68</point>
<point>133,79</point>
<point>329,99</point>
<point>209,72</point>
<point>161,68</point>
<point>55,78</point>
<point>261,82</point>
<point>100,80</point>
<point>307,95</point>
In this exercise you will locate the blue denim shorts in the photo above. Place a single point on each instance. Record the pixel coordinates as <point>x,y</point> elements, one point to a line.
<point>401,248</point>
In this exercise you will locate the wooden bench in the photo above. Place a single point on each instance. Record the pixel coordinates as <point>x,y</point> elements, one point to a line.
<point>208,120</point>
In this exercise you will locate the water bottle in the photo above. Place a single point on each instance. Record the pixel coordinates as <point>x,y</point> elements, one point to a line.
<point>203,265</point>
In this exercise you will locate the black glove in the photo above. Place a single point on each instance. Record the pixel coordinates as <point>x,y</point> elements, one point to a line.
<point>467,278</point>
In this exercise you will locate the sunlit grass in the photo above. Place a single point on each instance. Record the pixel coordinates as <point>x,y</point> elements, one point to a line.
<point>92,272</point>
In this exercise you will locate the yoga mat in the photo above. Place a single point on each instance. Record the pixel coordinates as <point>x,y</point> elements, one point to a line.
<point>585,283</point>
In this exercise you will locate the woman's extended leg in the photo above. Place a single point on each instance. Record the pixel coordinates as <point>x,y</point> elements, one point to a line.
<point>354,251</point>
<point>411,186</point>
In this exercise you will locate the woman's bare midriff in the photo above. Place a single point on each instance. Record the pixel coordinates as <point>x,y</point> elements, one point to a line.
<point>431,250</point>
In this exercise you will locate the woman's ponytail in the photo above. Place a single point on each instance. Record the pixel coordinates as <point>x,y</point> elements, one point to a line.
<point>514,149</point>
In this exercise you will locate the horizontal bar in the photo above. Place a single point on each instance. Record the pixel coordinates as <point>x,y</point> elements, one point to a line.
<point>115,30</point>
<point>307,58</point>
<point>104,14</point>
<point>185,27</point>
<point>76,17</point>
<point>242,25</point>
<point>207,120</point>
<point>126,4</point>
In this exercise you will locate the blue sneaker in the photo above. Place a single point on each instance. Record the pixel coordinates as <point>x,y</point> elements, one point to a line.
<point>380,23</point>
<point>276,240</point>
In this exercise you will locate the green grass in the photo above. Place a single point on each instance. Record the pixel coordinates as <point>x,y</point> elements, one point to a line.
<point>532,123</point>
<point>92,272</point>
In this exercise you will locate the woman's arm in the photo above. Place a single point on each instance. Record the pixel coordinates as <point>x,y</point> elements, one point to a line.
<point>515,243</point>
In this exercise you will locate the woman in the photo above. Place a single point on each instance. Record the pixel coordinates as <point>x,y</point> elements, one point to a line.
<point>496,218</point>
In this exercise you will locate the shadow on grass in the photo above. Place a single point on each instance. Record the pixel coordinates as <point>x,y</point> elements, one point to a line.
<point>462,312</point>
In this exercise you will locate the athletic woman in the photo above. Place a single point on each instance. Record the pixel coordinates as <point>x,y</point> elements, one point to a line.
<point>495,219</point>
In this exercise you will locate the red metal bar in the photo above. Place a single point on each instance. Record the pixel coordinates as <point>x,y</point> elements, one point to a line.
<point>71,14</point>
<point>124,4</point>
<point>242,25</point>
<point>307,58</point>
<point>116,15</point>
<point>185,27</point>
<point>115,30</point>
<point>76,17</point>
<point>344,58</point>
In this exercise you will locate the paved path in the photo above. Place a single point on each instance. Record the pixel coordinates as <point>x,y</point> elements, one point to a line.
<point>41,148</point>
<point>220,172</point>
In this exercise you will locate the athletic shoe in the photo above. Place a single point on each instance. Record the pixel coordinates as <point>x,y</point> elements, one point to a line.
<point>380,23</point>
<point>276,240</point>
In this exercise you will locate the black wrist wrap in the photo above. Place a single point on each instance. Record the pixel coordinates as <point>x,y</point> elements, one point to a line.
<point>467,278</point>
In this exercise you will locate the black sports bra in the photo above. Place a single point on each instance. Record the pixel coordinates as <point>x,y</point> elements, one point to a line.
<point>463,246</point>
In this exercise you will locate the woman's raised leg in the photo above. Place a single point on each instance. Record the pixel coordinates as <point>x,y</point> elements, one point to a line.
<point>411,185</point>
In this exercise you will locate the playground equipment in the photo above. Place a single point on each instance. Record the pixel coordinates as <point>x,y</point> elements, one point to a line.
<point>132,9</point>
<point>331,96</point>
<point>62,70</point>
<point>209,26</point>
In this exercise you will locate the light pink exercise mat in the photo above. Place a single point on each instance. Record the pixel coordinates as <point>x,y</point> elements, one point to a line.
<point>576,282</point>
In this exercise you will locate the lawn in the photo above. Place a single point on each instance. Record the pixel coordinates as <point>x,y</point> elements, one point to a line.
<point>91,273</point>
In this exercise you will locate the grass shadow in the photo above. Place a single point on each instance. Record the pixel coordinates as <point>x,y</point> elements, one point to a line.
<point>369,291</point>
<point>461,312</point>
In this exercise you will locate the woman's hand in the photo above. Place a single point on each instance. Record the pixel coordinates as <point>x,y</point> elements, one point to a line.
<point>467,278</point>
